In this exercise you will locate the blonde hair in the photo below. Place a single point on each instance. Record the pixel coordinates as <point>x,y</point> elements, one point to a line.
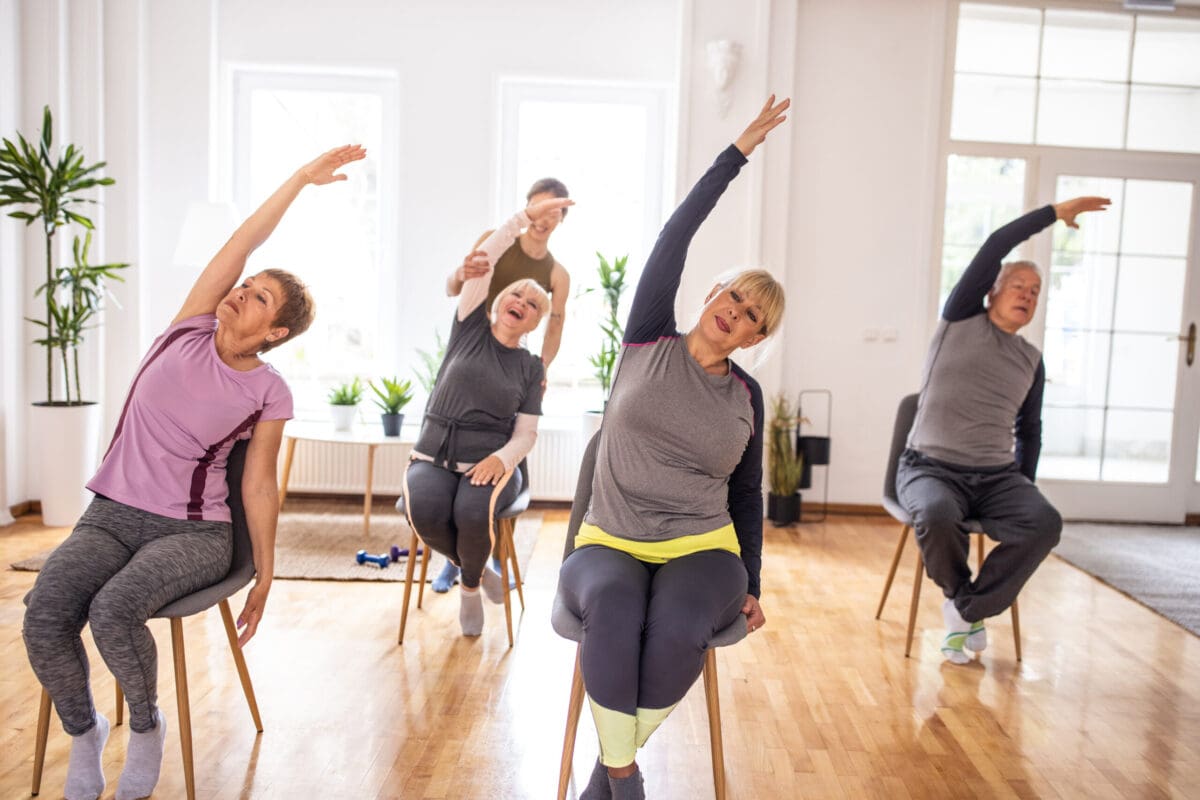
<point>767,292</point>
<point>539,296</point>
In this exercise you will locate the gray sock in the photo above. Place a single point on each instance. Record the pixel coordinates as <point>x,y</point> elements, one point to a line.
<point>143,760</point>
<point>630,788</point>
<point>470,613</point>
<point>493,585</point>
<point>597,787</point>
<point>85,771</point>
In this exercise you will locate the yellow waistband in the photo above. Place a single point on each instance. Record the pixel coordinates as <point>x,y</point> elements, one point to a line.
<point>660,552</point>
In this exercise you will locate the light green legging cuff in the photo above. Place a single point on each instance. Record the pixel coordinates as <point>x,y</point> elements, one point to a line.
<point>622,734</point>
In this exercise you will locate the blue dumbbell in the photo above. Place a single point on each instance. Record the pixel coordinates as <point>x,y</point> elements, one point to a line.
<point>363,557</point>
<point>399,552</point>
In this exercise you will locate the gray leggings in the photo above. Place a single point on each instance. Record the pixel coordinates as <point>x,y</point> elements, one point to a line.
<point>116,569</point>
<point>940,496</point>
<point>454,517</point>
<point>646,627</point>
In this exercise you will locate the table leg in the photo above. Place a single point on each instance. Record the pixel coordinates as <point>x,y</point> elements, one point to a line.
<point>367,494</point>
<point>287,469</point>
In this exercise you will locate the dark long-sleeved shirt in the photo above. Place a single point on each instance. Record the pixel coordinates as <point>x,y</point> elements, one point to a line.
<point>981,392</point>
<point>681,449</point>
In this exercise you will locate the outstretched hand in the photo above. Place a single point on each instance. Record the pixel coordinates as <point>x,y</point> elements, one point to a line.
<point>322,169</point>
<point>256,602</point>
<point>541,208</point>
<point>770,116</point>
<point>1067,210</point>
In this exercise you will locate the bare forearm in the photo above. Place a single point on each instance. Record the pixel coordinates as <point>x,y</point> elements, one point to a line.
<point>262,515</point>
<point>553,340</point>
<point>453,285</point>
<point>259,226</point>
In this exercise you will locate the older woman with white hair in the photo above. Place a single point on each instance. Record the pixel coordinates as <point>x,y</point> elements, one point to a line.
<point>669,551</point>
<point>982,382</point>
<point>481,419</point>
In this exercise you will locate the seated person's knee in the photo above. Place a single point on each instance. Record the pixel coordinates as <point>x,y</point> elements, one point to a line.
<point>939,515</point>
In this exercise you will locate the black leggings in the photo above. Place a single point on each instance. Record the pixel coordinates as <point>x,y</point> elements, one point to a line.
<point>646,628</point>
<point>454,517</point>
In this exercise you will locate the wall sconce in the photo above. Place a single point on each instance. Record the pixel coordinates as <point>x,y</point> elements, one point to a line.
<point>724,57</point>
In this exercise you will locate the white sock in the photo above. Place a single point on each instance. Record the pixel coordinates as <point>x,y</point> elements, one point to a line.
<point>85,771</point>
<point>493,585</point>
<point>143,760</point>
<point>957,629</point>
<point>977,637</point>
<point>470,612</point>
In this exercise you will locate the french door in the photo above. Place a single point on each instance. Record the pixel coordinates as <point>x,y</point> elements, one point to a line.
<point>1117,325</point>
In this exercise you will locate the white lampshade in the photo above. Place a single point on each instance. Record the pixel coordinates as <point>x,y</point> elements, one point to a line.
<point>206,228</point>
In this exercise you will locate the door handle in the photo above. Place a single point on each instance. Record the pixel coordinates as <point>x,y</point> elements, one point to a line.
<point>1190,338</point>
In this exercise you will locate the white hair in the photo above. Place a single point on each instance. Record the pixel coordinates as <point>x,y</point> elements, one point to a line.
<point>1008,268</point>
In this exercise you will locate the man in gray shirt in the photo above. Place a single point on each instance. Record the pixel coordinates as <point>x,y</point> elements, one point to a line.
<point>974,445</point>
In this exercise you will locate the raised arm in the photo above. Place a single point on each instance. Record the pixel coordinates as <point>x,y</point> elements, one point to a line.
<point>226,266</point>
<point>653,311</point>
<point>966,299</point>
<point>560,290</point>
<point>473,266</point>
<point>475,289</point>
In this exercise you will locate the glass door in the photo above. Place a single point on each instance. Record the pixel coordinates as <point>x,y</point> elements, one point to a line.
<point>1122,404</point>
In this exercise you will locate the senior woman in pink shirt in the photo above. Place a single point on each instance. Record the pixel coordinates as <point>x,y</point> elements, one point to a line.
<point>159,527</point>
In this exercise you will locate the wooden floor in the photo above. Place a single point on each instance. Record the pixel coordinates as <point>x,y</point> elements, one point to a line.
<point>821,703</point>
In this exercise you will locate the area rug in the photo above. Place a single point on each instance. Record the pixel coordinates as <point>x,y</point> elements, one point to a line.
<point>317,540</point>
<point>1157,565</point>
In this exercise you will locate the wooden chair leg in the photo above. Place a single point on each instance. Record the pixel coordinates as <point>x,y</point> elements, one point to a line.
<point>714,722</point>
<point>918,576</point>
<point>887,585</point>
<point>120,702</point>
<point>510,532</point>
<point>574,708</point>
<point>408,581</point>
<point>1016,619</point>
<point>240,661</point>
<point>185,713</point>
<point>43,730</point>
<point>424,567</point>
<point>504,558</point>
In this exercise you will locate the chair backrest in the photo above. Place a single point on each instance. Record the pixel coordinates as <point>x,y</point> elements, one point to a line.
<point>905,415</point>
<point>583,493</point>
<point>241,566</point>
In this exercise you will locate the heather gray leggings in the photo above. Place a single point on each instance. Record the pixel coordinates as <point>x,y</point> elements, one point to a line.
<point>116,569</point>
<point>454,517</point>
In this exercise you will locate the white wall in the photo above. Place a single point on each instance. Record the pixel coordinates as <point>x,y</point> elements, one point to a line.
<point>839,201</point>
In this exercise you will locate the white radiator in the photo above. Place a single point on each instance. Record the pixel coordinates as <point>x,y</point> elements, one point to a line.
<point>342,468</point>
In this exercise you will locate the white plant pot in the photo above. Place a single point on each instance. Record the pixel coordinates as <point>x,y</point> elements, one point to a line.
<point>67,441</point>
<point>343,417</point>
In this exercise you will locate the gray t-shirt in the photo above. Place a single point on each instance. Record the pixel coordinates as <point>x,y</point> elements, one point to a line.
<point>481,387</point>
<point>975,380</point>
<point>673,434</point>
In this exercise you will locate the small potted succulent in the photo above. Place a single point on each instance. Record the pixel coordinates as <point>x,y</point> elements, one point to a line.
<point>343,402</point>
<point>394,396</point>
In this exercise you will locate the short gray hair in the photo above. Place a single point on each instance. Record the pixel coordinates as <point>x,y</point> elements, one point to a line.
<point>1009,267</point>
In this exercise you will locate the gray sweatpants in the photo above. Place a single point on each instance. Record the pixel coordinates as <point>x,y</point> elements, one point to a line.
<point>646,627</point>
<point>453,517</point>
<point>116,569</point>
<point>940,496</point>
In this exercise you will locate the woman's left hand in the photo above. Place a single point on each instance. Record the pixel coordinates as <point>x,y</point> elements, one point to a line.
<point>256,602</point>
<point>755,618</point>
<point>321,170</point>
<point>770,116</point>
<point>490,470</point>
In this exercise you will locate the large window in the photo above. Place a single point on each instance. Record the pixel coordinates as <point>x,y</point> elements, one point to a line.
<point>608,144</point>
<point>333,238</point>
<point>1076,79</point>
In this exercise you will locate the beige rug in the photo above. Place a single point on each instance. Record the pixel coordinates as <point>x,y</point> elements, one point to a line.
<point>317,539</point>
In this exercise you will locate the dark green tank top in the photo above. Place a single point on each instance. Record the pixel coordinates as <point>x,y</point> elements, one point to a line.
<point>513,265</point>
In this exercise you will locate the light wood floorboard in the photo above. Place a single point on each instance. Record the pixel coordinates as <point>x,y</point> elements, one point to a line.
<point>821,703</point>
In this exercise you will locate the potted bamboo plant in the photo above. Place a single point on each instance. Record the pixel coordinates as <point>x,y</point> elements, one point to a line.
<point>343,403</point>
<point>394,396</point>
<point>49,187</point>
<point>785,463</point>
<point>604,361</point>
